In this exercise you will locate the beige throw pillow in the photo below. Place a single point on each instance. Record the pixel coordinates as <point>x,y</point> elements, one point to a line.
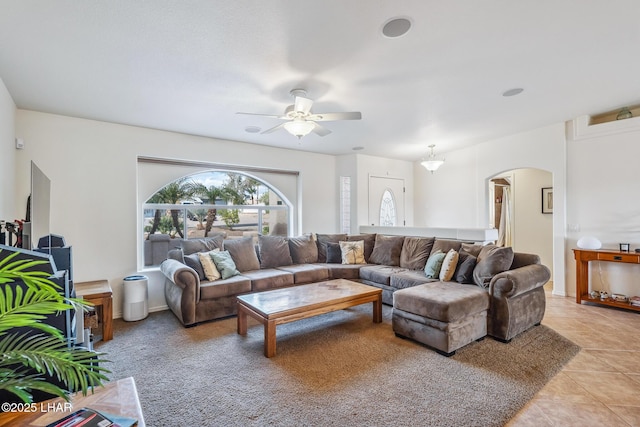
<point>209,267</point>
<point>449,266</point>
<point>352,252</point>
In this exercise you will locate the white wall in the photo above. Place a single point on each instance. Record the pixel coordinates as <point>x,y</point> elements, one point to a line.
<point>8,210</point>
<point>532,230</point>
<point>92,166</point>
<point>603,199</point>
<point>360,167</point>
<point>457,194</point>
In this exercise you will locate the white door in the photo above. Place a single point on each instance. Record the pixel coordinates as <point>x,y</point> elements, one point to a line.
<point>386,201</point>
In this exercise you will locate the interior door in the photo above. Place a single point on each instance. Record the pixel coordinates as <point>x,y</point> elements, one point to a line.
<point>386,201</point>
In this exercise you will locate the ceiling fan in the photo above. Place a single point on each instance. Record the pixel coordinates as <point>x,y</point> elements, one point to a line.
<point>300,121</point>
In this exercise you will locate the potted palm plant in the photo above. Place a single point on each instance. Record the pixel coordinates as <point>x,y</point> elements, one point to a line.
<point>39,359</point>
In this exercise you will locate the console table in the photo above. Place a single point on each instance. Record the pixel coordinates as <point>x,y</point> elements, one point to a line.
<point>99,293</point>
<point>583,257</point>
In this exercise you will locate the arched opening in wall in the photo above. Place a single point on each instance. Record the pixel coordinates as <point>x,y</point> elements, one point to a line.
<point>519,208</point>
<point>209,203</point>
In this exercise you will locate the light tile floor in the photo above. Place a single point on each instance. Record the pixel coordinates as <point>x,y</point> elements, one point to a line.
<point>601,385</point>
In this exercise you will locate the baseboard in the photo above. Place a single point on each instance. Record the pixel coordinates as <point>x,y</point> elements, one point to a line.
<point>151,310</point>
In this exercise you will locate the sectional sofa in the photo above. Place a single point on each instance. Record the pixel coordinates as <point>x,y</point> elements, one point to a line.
<point>503,287</point>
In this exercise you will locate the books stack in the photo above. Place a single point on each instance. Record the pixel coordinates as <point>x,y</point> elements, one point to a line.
<point>635,301</point>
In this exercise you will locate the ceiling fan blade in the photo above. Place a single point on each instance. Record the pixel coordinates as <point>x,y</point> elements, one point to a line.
<point>264,115</point>
<point>273,129</point>
<point>303,105</point>
<point>320,130</point>
<point>326,117</point>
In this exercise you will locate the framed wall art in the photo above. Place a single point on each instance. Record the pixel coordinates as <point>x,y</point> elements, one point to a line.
<point>547,200</point>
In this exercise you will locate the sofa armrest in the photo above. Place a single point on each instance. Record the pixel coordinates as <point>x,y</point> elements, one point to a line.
<point>515,282</point>
<point>182,276</point>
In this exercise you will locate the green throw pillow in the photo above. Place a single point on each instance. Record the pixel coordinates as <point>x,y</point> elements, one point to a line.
<point>224,264</point>
<point>434,265</point>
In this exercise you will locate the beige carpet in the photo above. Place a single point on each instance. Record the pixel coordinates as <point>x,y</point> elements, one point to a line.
<point>336,369</point>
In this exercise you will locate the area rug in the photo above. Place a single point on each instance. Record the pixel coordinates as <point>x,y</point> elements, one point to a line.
<point>335,369</point>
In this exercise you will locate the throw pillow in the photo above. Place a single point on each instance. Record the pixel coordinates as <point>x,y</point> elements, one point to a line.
<point>334,253</point>
<point>303,249</point>
<point>434,264</point>
<point>243,252</point>
<point>352,252</point>
<point>208,266</point>
<point>415,252</point>
<point>369,243</point>
<point>192,246</point>
<point>448,266</point>
<point>274,251</point>
<point>193,261</point>
<point>464,269</point>
<point>323,239</point>
<point>224,263</point>
<point>491,261</point>
<point>472,248</point>
<point>387,250</point>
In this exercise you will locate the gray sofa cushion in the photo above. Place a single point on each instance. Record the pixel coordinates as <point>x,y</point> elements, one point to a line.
<point>379,273</point>
<point>447,302</point>
<point>344,271</point>
<point>274,251</point>
<point>271,278</point>
<point>191,246</point>
<point>307,273</point>
<point>193,261</point>
<point>409,278</point>
<point>243,253</point>
<point>445,245</point>
<point>225,287</point>
<point>491,261</point>
<point>387,250</point>
<point>323,239</point>
<point>303,249</point>
<point>415,251</point>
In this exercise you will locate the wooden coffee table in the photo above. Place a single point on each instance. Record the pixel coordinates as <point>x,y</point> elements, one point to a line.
<point>272,308</point>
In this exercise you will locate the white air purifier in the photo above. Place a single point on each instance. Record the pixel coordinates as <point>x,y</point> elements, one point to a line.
<point>136,298</point>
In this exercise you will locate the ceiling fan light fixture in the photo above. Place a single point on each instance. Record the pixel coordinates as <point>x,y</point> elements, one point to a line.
<point>432,164</point>
<point>299,128</point>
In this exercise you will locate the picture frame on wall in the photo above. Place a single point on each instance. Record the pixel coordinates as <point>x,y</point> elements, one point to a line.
<point>547,200</point>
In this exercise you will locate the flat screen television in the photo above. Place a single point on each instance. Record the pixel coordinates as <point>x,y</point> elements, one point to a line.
<point>38,209</point>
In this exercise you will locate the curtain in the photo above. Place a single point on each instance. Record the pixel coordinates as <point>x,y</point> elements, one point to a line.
<point>504,230</point>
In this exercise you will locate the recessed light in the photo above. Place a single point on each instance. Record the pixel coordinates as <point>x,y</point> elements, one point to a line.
<point>396,27</point>
<point>358,148</point>
<point>513,92</point>
<point>252,129</point>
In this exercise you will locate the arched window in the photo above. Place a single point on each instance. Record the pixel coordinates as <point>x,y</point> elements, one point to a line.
<point>387,209</point>
<point>210,203</point>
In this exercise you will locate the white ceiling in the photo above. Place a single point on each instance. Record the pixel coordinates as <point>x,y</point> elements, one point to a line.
<point>189,66</point>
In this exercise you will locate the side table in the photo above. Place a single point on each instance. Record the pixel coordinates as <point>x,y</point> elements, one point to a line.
<point>99,293</point>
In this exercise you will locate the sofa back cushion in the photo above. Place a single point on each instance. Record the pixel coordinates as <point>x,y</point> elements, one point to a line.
<point>445,245</point>
<point>387,250</point>
<point>243,253</point>
<point>303,249</point>
<point>415,252</point>
<point>191,246</point>
<point>323,239</point>
<point>274,251</point>
<point>491,261</point>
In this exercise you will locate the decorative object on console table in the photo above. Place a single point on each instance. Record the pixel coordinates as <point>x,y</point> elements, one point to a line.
<point>624,247</point>
<point>583,257</point>
<point>98,292</point>
<point>547,200</point>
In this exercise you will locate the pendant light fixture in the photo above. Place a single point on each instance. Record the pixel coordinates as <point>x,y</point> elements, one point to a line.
<point>432,164</point>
